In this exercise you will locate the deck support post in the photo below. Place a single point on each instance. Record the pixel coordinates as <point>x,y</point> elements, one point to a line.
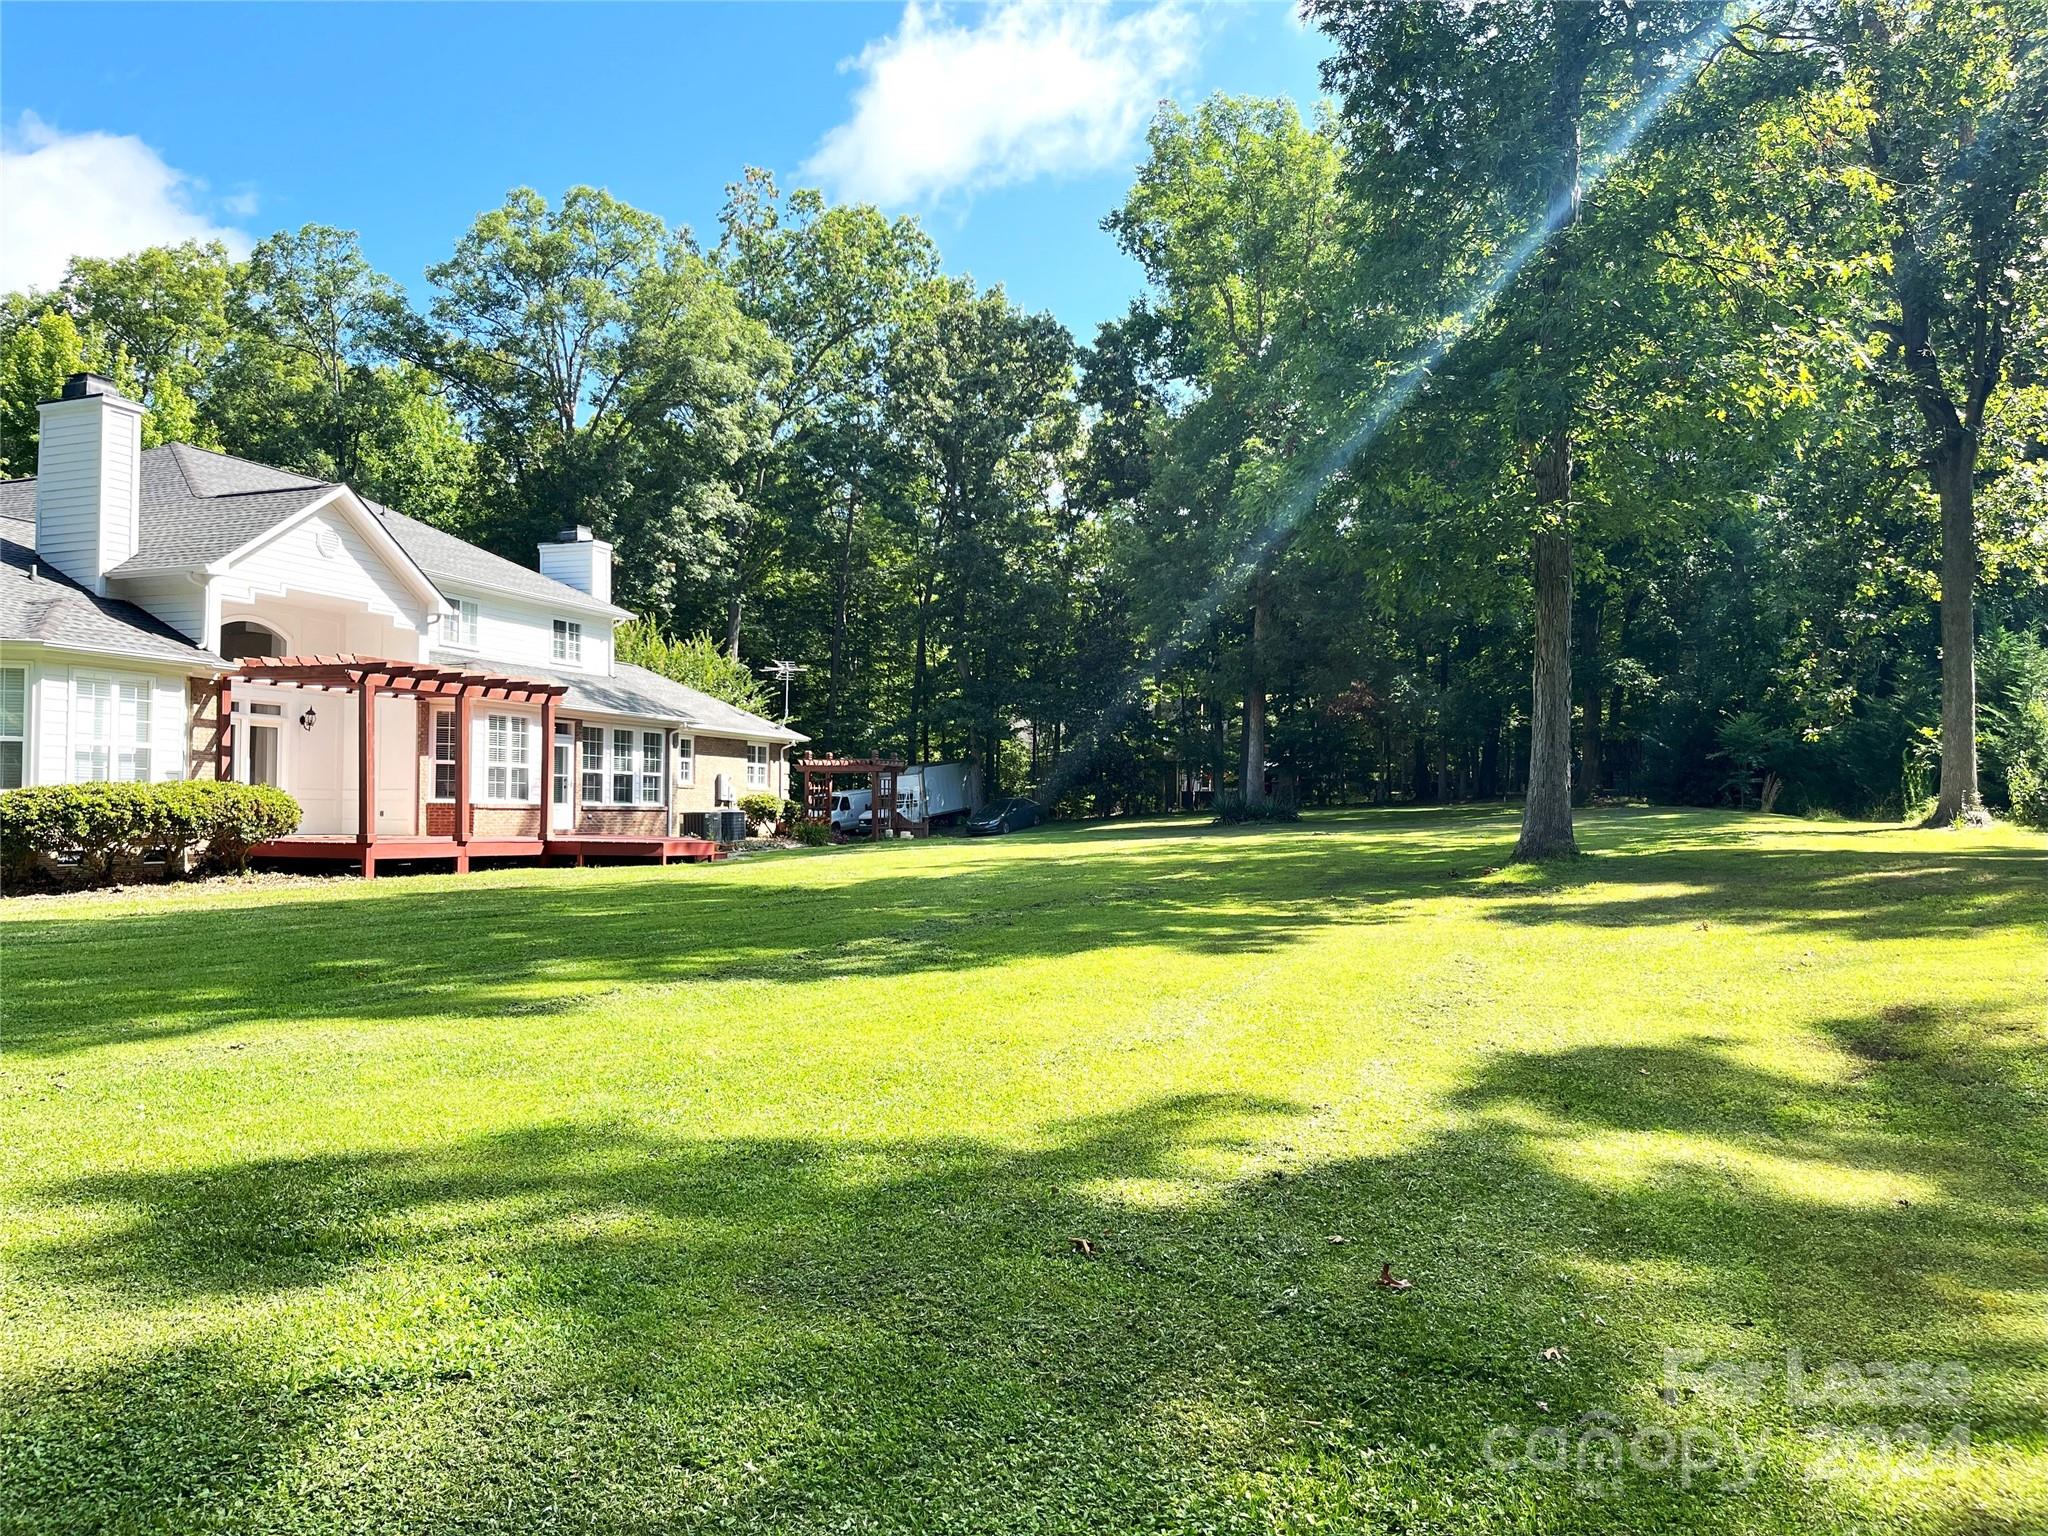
<point>366,780</point>
<point>223,730</point>
<point>547,773</point>
<point>462,719</point>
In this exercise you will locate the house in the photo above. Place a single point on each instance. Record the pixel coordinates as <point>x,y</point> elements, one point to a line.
<point>177,613</point>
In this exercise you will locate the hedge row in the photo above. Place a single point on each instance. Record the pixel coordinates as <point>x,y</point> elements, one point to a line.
<point>109,829</point>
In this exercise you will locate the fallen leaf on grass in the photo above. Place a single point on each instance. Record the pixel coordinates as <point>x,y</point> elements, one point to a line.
<point>1083,1247</point>
<point>1393,1282</point>
<point>1554,1355</point>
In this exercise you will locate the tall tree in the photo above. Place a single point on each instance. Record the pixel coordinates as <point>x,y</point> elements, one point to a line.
<point>609,374</point>
<point>1956,135</point>
<point>831,284</point>
<point>1234,216</point>
<point>982,396</point>
<point>1488,117</point>
<point>157,321</point>
<point>308,382</point>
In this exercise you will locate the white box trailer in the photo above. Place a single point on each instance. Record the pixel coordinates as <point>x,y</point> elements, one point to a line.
<point>934,792</point>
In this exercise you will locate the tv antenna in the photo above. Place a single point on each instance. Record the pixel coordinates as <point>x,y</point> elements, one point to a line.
<point>784,670</point>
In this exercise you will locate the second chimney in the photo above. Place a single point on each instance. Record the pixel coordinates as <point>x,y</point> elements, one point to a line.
<point>576,558</point>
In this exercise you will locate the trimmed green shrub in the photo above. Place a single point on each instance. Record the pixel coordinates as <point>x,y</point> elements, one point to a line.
<point>109,829</point>
<point>106,828</point>
<point>811,832</point>
<point>762,808</point>
<point>239,816</point>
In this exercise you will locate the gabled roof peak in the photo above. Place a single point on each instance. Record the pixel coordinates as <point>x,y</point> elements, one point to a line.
<point>209,474</point>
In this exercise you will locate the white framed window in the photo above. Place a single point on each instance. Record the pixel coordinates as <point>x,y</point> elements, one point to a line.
<point>622,767</point>
<point>757,765</point>
<point>13,727</point>
<point>109,730</point>
<point>462,627</point>
<point>444,754</point>
<point>259,749</point>
<point>686,760</point>
<point>508,758</point>
<point>568,640</point>
<point>593,765</point>
<point>650,767</point>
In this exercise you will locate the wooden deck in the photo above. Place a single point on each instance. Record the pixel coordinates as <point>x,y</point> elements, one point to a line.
<point>347,848</point>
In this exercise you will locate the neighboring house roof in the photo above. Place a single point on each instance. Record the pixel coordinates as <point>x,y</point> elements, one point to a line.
<point>198,507</point>
<point>43,606</point>
<point>642,694</point>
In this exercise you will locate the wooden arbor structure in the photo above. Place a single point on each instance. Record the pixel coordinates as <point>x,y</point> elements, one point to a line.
<point>821,773</point>
<point>367,677</point>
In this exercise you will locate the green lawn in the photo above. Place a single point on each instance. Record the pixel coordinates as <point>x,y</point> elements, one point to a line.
<point>747,1197</point>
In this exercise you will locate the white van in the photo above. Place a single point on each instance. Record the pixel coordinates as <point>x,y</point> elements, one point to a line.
<point>849,810</point>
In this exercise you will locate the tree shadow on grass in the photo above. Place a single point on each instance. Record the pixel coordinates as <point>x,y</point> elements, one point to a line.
<point>548,941</point>
<point>806,1335</point>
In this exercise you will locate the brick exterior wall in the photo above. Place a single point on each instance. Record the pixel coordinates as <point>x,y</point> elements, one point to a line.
<point>502,820</point>
<point>728,754</point>
<point>621,821</point>
<point>437,819</point>
<point>423,779</point>
<point>715,755</point>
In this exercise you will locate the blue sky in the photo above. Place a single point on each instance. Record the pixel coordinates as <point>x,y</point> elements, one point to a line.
<point>1011,129</point>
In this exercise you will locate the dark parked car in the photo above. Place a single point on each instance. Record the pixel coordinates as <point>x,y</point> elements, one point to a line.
<point>1004,816</point>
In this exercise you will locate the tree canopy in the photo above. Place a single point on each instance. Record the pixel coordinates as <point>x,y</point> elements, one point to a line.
<point>1587,399</point>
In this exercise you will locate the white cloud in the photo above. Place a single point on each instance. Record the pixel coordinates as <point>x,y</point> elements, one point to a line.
<point>93,194</point>
<point>1017,90</point>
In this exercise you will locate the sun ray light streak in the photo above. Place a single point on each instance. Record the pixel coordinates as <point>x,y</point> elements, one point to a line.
<point>1377,411</point>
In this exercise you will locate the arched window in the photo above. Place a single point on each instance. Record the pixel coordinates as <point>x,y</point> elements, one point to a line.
<point>240,638</point>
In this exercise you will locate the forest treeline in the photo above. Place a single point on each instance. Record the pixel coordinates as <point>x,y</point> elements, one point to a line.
<point>1592,398</point>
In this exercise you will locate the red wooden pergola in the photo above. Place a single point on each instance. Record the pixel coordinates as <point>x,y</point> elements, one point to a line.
<point>367,677</point>
<point>820,773</point>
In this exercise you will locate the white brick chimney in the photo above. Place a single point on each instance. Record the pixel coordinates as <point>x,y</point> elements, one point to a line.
<point>88,480</point>
<point>577,559</point>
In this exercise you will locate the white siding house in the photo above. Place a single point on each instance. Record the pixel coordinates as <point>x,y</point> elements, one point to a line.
<point>134,582</point>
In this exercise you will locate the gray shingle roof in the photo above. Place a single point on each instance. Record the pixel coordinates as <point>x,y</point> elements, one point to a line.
<point>39,604</point>
<point>198,506</point>
<point>640,693</point>
<point>459,563</point>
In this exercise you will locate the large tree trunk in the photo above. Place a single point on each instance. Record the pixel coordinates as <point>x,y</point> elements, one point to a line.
<point>1547,808</point>
<point>1958,798</point>
<point>733,608</point>
<point>1255,703</point>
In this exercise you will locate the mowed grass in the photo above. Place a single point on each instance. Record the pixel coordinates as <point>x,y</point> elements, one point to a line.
<point>998,1187</point>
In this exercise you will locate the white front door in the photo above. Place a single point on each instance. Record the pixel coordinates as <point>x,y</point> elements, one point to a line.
<point>561,763</point>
